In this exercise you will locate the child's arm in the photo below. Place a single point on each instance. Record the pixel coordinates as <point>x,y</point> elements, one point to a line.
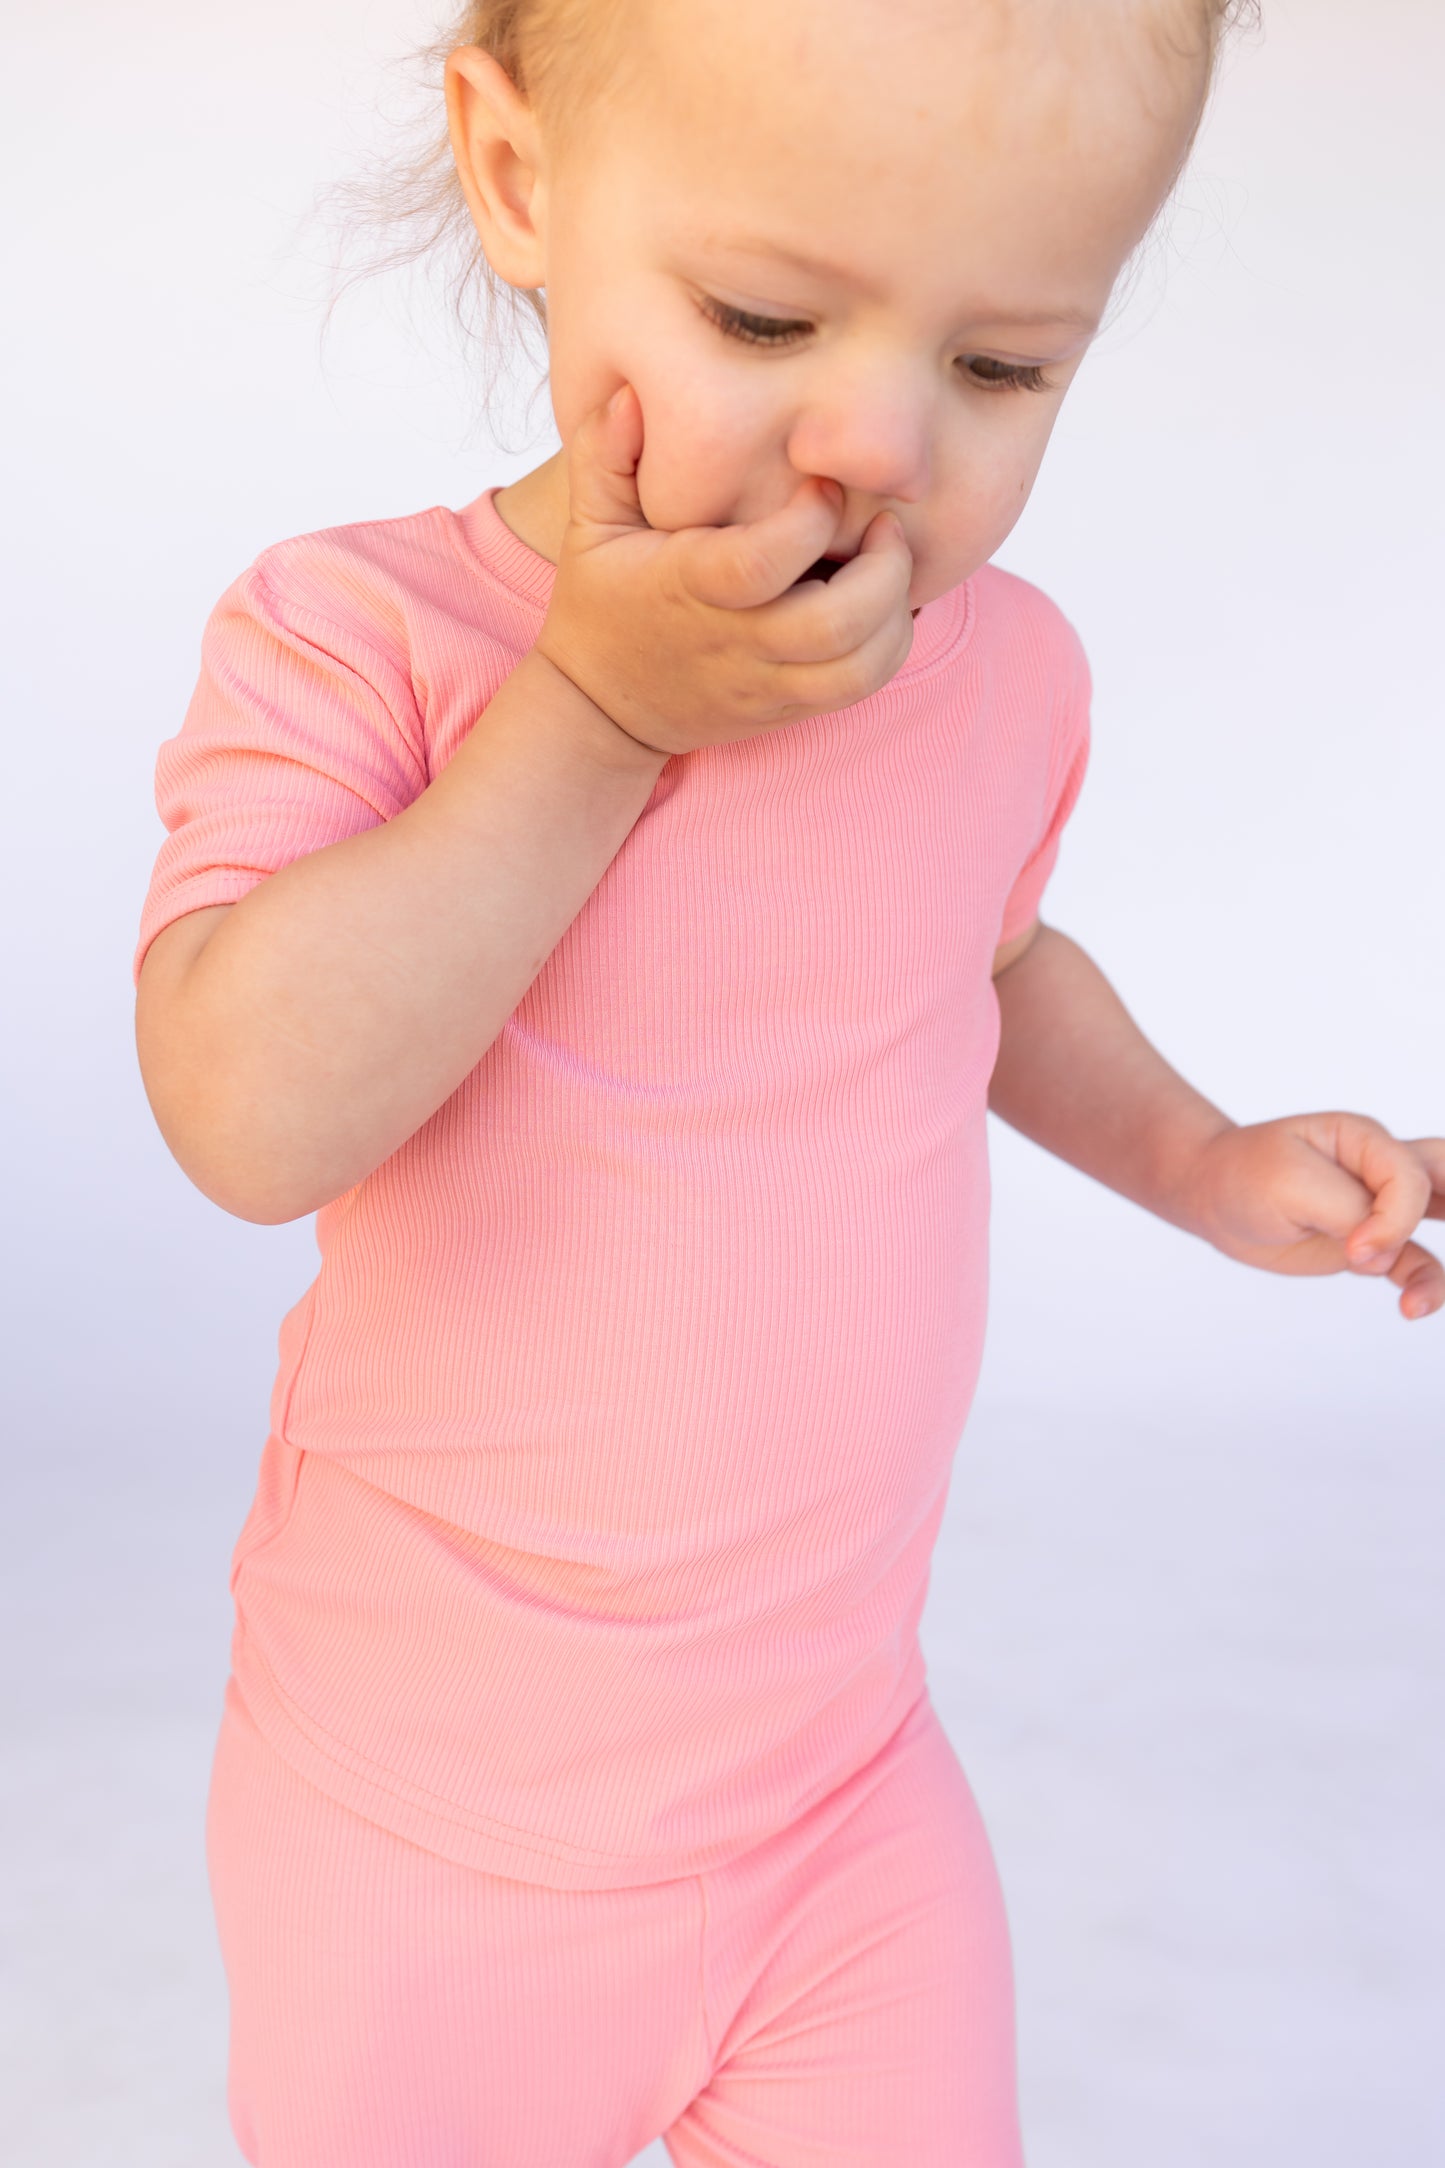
<point>1305,1194</point>
<point>336,1005</point>
<point>297,1040</point>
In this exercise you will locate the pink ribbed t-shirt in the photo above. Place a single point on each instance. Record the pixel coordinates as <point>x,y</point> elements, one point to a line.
<point>609,1443</point>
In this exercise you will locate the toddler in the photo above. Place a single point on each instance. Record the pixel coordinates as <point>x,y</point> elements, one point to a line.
<point>612,908</point>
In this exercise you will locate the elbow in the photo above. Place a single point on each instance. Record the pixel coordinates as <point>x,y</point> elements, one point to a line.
<point>200,1108</point>
<point>214,1153</point>
<point>228,1177</point>
<point>258,1209</point>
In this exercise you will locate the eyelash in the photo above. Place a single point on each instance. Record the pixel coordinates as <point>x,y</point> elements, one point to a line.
<point>775,330</point>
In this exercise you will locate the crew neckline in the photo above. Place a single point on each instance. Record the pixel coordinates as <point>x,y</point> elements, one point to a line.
<point>939,630</point>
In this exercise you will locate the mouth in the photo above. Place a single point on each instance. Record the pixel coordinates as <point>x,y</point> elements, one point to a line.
<point>823,568</point>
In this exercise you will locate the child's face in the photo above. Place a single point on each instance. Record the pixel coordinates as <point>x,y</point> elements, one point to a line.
<point>975,176</point>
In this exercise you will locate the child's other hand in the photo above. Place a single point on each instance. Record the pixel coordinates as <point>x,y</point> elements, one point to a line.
<point>1317,1193</point>
<point>703,635</point>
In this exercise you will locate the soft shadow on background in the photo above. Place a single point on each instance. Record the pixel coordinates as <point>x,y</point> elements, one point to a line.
<point>1184,1625</point>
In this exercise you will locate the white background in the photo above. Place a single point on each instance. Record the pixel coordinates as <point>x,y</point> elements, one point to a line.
<point>1185,1620</point>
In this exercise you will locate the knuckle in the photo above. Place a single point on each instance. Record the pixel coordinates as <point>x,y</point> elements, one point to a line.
<point>828,623</point>
<point>782,710</point>
<point>852,680</point>
<point>754,563</point>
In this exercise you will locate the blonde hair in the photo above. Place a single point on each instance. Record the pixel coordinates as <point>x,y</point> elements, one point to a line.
<point>565,56</point>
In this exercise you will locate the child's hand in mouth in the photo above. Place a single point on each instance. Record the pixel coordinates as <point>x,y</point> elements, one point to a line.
<point>700,635</point>
<point>823,568</point>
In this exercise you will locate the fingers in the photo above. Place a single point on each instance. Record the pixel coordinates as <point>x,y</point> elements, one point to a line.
<point>814,686</point>
<point>820,621</point>
<point>602,464</point>
<point>1421,1278</point>
<point>739,567</point>
<point>1407,1180</point>
<point>1315,1188</point>
<point>1401,1185</point>
<point>1431,1153</point>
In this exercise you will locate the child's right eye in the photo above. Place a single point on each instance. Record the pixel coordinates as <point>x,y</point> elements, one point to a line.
<point>756,330</point>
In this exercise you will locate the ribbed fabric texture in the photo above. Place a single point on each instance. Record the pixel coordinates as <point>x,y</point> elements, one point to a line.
<point>841,1994</point>
<point>609,1444</point>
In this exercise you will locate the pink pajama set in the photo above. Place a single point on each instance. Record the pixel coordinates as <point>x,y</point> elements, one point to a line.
<point>577,1781</point>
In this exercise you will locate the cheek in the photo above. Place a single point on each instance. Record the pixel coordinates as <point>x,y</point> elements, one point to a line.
<point>1006,464</point>
<point>705,433</point>
<point>706,440</point>
<point>1003,457</point>
<point>979,498</point>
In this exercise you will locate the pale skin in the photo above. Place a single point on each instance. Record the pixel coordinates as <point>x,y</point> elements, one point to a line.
<point>974,179</point>
<point>975,197</point>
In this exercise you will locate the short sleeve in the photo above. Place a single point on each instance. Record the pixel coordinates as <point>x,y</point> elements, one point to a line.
<point>1068,762</point>
<point>303,729</point>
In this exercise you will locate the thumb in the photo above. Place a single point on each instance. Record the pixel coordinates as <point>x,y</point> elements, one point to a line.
<point>602,464</point>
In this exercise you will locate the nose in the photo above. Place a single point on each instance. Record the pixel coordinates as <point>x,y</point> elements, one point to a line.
<point>870,430</point>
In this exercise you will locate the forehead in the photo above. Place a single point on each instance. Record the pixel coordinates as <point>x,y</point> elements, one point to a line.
<point>864,130</point>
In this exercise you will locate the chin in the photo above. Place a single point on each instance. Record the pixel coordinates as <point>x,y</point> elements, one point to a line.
<point>954,576</point>
<point>923,591</point>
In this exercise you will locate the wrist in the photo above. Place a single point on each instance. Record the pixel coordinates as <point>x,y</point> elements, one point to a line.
<point>599,733</point>
<point>1187,1165</point>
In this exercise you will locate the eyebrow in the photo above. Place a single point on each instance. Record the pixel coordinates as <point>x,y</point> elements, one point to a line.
<point>817,267</point>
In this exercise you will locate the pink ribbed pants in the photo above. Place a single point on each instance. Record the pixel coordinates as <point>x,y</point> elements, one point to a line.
<point>839,1997</point>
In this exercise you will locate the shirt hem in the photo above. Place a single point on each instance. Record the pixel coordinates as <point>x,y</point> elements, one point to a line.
<point>440,1826</point>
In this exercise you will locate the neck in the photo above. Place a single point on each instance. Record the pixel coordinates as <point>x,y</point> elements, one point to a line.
<point>536,507</point>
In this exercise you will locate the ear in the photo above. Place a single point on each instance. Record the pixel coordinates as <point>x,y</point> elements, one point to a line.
<point>498,152</point>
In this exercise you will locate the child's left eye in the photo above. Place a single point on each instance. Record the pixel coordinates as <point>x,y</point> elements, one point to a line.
<point>1012,375</point>
<point>786,330</point>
